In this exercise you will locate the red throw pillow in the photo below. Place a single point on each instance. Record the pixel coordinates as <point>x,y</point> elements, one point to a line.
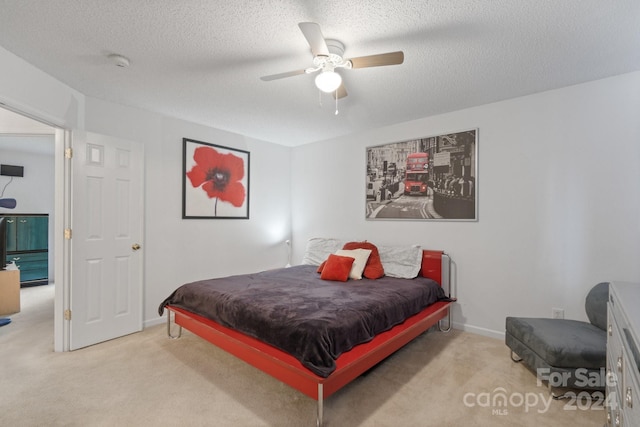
<point>373,269</point>
<point>337,268</point>
<point>321,266</point>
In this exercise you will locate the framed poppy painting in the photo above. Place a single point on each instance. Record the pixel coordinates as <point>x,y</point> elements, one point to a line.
<point>215,181</point>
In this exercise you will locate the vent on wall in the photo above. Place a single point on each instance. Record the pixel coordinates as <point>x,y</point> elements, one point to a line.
<point>10,170</point>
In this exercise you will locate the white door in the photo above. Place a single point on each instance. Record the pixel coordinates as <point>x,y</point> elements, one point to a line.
<point>106,240</point>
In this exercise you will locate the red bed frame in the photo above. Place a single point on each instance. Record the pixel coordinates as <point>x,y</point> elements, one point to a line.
<point>350,365</point>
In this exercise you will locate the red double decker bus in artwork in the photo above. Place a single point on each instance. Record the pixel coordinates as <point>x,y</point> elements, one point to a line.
<point>417,174</point>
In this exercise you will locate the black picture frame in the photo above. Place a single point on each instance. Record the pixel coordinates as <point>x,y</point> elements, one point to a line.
<point>215,181</point>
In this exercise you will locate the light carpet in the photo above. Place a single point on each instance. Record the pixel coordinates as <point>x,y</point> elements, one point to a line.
<point>146,379</point>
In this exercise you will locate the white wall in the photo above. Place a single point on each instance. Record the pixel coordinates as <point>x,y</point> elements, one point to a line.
<point>34,192</point>
<point>559,200</point>
<point>25,88</point>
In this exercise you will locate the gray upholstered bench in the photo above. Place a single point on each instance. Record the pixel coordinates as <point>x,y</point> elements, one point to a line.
<point>569,353</point>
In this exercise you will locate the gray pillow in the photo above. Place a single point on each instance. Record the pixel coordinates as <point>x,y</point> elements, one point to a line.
<point>596,305</point>
<point>319,248</point>
<point>403,262</point>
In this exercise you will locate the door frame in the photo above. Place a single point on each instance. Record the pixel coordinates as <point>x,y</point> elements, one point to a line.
<point>62,246</point>
<point>62,219</point>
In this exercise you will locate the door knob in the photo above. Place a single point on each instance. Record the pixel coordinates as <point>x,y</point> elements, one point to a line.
<point>135,246</point>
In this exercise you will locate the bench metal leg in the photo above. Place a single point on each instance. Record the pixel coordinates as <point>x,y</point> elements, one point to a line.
<point>518,360</point>
<point>558,396</point>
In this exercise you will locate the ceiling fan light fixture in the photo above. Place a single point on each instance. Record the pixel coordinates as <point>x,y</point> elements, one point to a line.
<point>328,81</point>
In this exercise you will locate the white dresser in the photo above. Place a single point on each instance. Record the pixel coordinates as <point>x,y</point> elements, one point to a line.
<point>623,355</point>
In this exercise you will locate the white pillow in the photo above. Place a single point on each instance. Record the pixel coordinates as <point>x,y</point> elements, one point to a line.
<point>403,262</point>
<point>319,248</point>
<point>360,256</point>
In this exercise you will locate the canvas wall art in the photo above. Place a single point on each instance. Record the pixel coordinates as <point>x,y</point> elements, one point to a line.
<point>427,178</point>
<point>215,181</point>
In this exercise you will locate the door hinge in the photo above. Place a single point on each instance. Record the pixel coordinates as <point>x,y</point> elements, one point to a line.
<point>67,314</point>
<point>67,234</point>
<point>68,153</point>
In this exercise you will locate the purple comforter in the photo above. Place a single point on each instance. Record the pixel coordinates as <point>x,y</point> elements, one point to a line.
<point>312,319</point>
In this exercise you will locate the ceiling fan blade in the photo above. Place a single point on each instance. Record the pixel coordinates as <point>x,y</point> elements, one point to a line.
<point>314,37</point>
<point>281,75</point>
<point>341,92</point>
<point>391,58</point>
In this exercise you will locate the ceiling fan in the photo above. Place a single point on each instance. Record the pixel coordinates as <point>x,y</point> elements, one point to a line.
<point>328,56</point>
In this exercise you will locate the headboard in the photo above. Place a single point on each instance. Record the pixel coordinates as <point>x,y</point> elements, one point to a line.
<point>436,265</point>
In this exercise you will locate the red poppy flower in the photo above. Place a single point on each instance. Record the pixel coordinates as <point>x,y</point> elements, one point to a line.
<point>218,175</point>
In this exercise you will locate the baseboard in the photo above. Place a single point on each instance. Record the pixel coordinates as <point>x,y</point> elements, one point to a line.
<point>479,331</point>
<point>153,322</point>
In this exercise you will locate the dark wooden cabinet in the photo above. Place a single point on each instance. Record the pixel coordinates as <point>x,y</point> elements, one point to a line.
<point>27,244</point>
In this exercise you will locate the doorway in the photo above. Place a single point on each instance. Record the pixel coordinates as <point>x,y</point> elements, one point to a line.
<point>30,144</point>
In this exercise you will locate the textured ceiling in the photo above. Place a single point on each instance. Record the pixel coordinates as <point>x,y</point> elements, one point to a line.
<point>201,60</point>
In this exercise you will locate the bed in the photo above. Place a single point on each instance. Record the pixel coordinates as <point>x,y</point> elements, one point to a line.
<point>315,335</point>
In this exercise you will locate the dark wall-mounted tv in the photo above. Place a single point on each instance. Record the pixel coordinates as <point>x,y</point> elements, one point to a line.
<point>11,170</point>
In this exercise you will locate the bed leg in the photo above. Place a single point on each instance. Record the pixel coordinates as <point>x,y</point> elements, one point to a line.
<point>320,408</point>
<point>448,322</point>
<point>173,337</point>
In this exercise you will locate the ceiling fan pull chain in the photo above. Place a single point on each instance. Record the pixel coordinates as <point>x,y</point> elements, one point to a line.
<point>336,102</point>
<point>319,98</point>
